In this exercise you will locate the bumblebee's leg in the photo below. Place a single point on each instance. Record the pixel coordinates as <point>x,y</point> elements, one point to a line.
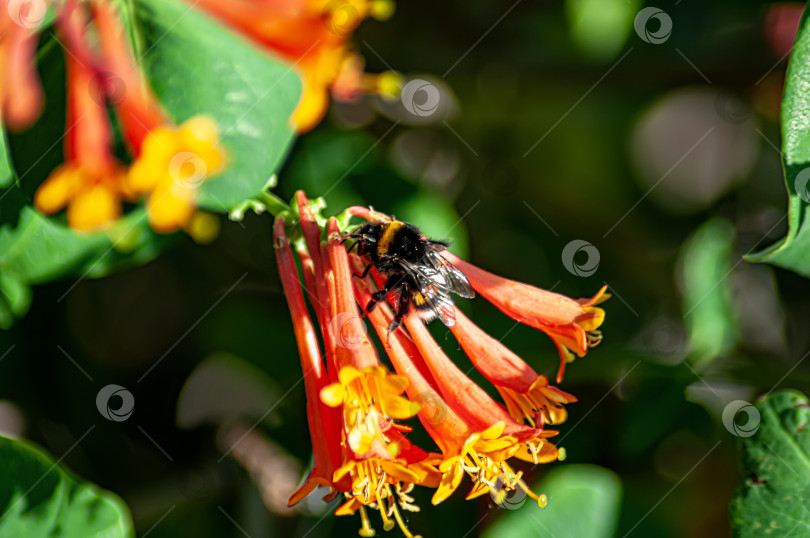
<point>404,303</point>
<point>365,272</point>
<point>380,295</point>
<point>351,248</point>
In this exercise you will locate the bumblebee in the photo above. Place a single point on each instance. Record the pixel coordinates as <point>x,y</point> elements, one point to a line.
<point>414,269</point>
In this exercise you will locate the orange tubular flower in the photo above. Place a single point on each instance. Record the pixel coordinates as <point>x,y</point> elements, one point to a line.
<point>526,393</point>
<point>89,182</point>
<point>366,457</point>
<point>571,323</point>
<point>323,420</point>
<point>172,162</point>
<point>313,36</point>
<point>480,455</point>
<point>21,96</point>
<point>374,464</point>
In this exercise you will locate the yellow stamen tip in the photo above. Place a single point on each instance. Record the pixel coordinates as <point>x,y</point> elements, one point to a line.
<point>203,227</point>
<point>542,501</point>
<point>561,454</point>
<point>382,10</point>
<point>388,525</point>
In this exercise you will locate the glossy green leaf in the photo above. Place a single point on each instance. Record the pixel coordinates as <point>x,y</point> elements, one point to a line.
<point>793,252</point>
<point>197,66</point>
<point>40,498</point>
<point>39,249</point>
<point>772,499</point>
<point>583,500</point>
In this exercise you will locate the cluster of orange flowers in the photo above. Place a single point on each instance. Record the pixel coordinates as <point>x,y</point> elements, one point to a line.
<point>354,402</point>
<point>169,162</point>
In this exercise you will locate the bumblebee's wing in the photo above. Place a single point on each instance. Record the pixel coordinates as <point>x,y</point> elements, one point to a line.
<point>457,281</point>
<point>431,293</point>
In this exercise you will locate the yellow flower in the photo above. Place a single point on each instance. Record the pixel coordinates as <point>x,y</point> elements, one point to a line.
<point>172,165</point>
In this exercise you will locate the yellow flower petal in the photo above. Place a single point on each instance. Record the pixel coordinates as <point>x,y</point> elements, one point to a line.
<point>93,207</point>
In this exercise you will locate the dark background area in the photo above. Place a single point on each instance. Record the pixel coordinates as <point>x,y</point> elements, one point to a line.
<point>555,124</point>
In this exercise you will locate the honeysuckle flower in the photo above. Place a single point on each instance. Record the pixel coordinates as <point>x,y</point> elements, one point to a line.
<point>90,182</point>
<point>313,36</point>
<point>572,323</point>
<point>323,421</point>
<point>478,437</point>
<point>172,164</point>
<point>481,455</point>
<point>169,162</point>
<point>370,459</point>
<point>21,96</point>
<point>526,393</point>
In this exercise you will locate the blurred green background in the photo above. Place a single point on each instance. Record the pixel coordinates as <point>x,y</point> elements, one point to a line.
<point>557,122</point>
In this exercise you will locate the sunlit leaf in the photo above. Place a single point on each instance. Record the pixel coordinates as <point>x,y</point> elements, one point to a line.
<point>772,499</point>
<point>793,252</point>
<point>197,66</point>
<point>40,498</point>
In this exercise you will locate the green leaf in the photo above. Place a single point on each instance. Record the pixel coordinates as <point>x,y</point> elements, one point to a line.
<point>40,498</point>
<point>583,500</point>
<point>707,290</point>
<point>793,252</point>
<point>6,173</point>
<point>197,66</point>
<point>39,249</point>
<point>772,499</point>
